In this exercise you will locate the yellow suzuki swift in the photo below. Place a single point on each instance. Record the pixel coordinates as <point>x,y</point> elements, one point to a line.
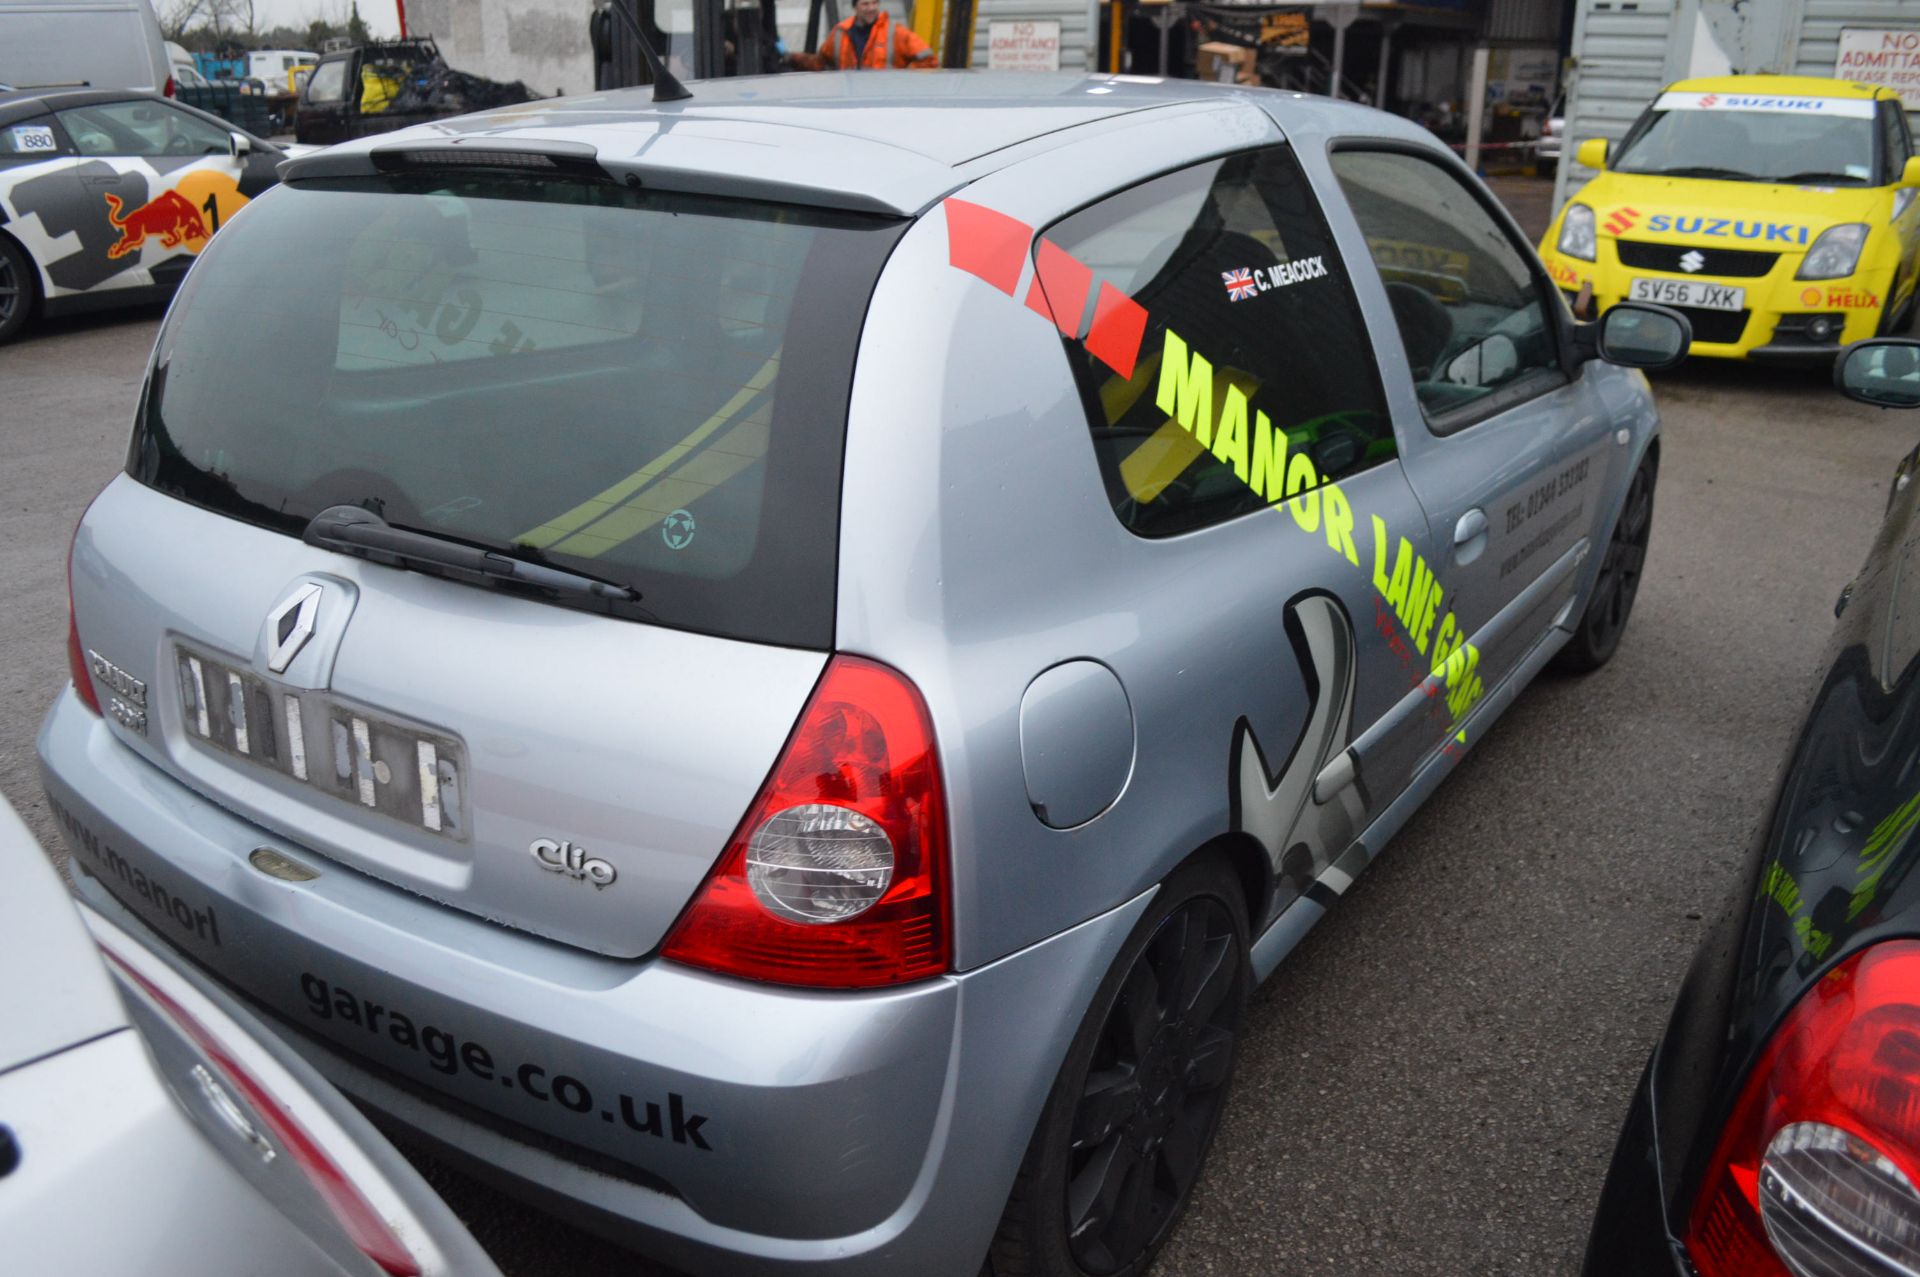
<point>1776,212</point>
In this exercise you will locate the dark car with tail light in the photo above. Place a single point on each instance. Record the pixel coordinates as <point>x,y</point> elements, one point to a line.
<point>1776,1129</point>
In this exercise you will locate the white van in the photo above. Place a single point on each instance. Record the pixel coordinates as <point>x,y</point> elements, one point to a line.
<point>100,44</point>
<point>274,67</point>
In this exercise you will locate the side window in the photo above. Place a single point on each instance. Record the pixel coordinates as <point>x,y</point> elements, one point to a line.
<point>141,128</point>
<point>29,140</point>
<point>1893,139</point>
<point>1476,327</point>
<point>328,82</point>
<point>1254,379</point>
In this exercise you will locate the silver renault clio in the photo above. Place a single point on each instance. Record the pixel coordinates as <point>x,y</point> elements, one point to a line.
<point>772,668</point>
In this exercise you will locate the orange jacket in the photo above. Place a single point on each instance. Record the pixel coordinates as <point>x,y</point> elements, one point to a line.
<point>906,47</point>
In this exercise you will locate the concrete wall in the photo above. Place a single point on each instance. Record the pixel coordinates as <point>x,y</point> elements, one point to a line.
<point>542,42</point>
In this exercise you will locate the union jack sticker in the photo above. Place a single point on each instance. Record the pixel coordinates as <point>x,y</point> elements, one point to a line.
<point>1240,286</point>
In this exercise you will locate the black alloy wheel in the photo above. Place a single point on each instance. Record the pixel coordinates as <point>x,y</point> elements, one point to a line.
<point>1126,1131</point>
<point>1605,619</point>
<point>1153,1094</point>
<point>16,288</point>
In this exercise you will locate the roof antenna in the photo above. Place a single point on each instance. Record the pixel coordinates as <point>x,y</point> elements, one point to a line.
<point>665,87</point>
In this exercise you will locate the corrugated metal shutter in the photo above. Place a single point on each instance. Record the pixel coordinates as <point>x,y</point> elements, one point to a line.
<point>1620,48</point>
<point>1523,22</point>
<point>1819,45</point>
<point>1071,17</point>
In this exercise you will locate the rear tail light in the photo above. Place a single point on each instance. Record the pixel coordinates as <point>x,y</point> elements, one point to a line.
<point>1815,1173</point>
<point>169,90</point>
<point>77,655</point>
<point>356,1215</point>
<point>837,877</point>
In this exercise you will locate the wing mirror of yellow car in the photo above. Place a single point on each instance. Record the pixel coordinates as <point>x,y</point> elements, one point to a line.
<point>1592,153</point>
<point>1636,335</point>
<point>1910,175</point>
<point>1883,371</point>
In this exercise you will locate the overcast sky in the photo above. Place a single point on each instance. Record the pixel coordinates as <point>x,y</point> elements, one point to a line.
<point>379,15</point>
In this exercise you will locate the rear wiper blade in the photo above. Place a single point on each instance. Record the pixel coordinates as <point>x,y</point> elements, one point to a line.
<point>352,529</point>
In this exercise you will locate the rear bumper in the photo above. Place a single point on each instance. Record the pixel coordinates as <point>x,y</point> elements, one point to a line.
<point>722,1126</point>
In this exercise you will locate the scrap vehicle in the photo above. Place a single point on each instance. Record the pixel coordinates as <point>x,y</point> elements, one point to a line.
<point>808,644</point>
<point>1775,1130</point>
<point>132,1090</point>
<point>107,197</point>
<point>376,88</point>
<point>1776,212</point>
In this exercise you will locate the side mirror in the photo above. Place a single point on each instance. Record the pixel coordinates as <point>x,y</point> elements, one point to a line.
<point>1592,153</point>
<point>1883,371</point>
<point>1910,172</point>
<point>1639,335</point>
<point>239,144</point>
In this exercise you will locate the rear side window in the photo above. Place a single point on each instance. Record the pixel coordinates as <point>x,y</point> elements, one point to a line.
<point>31,139</point>
<point>643,387</point>
<point>1255,360</point>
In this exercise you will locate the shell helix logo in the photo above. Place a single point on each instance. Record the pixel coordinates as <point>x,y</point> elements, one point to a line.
<point>565,858</point>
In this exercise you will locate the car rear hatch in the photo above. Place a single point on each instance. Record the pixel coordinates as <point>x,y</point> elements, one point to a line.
<point>635,399</point>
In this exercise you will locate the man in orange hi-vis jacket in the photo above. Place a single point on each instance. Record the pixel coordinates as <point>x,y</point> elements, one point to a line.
<point>870,41</point>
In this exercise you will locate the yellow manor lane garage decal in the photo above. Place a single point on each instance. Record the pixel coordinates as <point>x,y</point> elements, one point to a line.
<point>994,248</point>
<point>1258,454</point>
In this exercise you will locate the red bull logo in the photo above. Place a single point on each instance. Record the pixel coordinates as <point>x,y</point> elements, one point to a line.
<point>171,217</point>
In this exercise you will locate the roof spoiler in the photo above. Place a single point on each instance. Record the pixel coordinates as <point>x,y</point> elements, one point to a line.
<point>522,155</point>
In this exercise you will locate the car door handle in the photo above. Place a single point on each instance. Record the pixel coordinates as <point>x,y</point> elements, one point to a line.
<point>1472,524</point>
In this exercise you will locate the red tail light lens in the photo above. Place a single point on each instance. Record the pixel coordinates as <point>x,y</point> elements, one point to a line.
<point>1815,1174</point>
<point>355,1214</point>
<point>837,877</point>
<point>169,90</point>
<point>77,655</point>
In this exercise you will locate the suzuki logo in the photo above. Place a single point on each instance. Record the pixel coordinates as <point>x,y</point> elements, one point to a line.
<point>290,625</point>
<point>565,858</point>
<point>1709,101</point>
<point>1622,220</point>
<point>1692,261</point>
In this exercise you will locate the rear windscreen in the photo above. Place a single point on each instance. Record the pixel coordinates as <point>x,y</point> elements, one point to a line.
<point>649,388</point>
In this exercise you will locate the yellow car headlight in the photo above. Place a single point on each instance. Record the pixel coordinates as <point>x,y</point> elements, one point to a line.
<point>1576,232</point>
<point>1835,253</point>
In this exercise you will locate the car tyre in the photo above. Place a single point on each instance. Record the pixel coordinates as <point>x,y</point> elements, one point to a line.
<point>16,289</point>
<point>1125,1131</point>
<point>1598,634</point>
